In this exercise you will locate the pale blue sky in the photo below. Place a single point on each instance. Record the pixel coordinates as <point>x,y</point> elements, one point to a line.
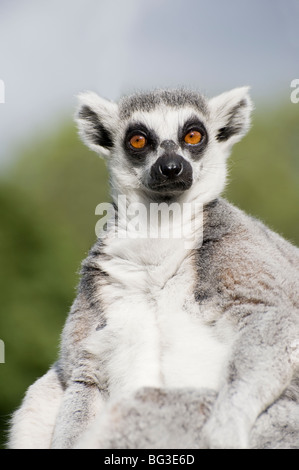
<point>51,50</point>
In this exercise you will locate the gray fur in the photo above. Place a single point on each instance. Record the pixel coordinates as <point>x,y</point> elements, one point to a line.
<point>173,98</point>
<point>174,419</point>
<point>244,284</point>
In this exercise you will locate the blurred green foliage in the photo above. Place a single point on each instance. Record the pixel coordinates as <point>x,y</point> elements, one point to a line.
<point>47,203</point>
<point>264,176</point>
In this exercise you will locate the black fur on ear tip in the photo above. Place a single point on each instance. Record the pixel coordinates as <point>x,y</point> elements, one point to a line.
<point>95,131</point>
<point>85,113</point>
<point>235,123</point>
<point>226,132</point>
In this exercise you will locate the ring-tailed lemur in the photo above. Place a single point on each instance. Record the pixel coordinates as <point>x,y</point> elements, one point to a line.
<point>221,314</point>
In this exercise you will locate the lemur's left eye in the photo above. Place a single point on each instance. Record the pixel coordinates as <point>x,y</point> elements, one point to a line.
<point>193,137</point>
<point>138,141</point>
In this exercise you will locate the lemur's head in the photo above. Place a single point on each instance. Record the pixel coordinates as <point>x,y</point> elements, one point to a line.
<point>166,144</point>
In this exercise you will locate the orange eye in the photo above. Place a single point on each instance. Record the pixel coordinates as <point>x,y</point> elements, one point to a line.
<point>193,137</point>
<point>138,141</point>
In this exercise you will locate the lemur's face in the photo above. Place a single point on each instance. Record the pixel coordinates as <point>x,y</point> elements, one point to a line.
<point>166,144</point>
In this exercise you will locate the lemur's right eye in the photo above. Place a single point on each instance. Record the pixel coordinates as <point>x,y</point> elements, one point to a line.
<point>138,141</point>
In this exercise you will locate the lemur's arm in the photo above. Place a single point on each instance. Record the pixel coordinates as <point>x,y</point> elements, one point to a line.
<point>252,285</point>
<point>83,397</point>
<point>33,423</point>
<point>79,406</point>
<point>260,369</point>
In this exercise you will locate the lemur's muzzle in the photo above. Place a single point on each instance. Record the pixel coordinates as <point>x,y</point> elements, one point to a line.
<point>170,172</point>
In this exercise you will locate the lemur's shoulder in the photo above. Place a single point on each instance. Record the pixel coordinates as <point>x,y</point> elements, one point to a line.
<point>241,258</point>
<point>225,221</point>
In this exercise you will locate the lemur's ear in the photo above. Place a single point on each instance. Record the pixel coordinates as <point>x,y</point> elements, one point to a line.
<point>96,119</point>
<point>231,114</point>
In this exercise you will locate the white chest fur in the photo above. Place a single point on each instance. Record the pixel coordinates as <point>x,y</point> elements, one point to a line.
<point>155,335</point>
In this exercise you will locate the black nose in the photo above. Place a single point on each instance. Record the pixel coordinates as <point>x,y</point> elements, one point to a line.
<point>170,172</point>
<point>171,167</point>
